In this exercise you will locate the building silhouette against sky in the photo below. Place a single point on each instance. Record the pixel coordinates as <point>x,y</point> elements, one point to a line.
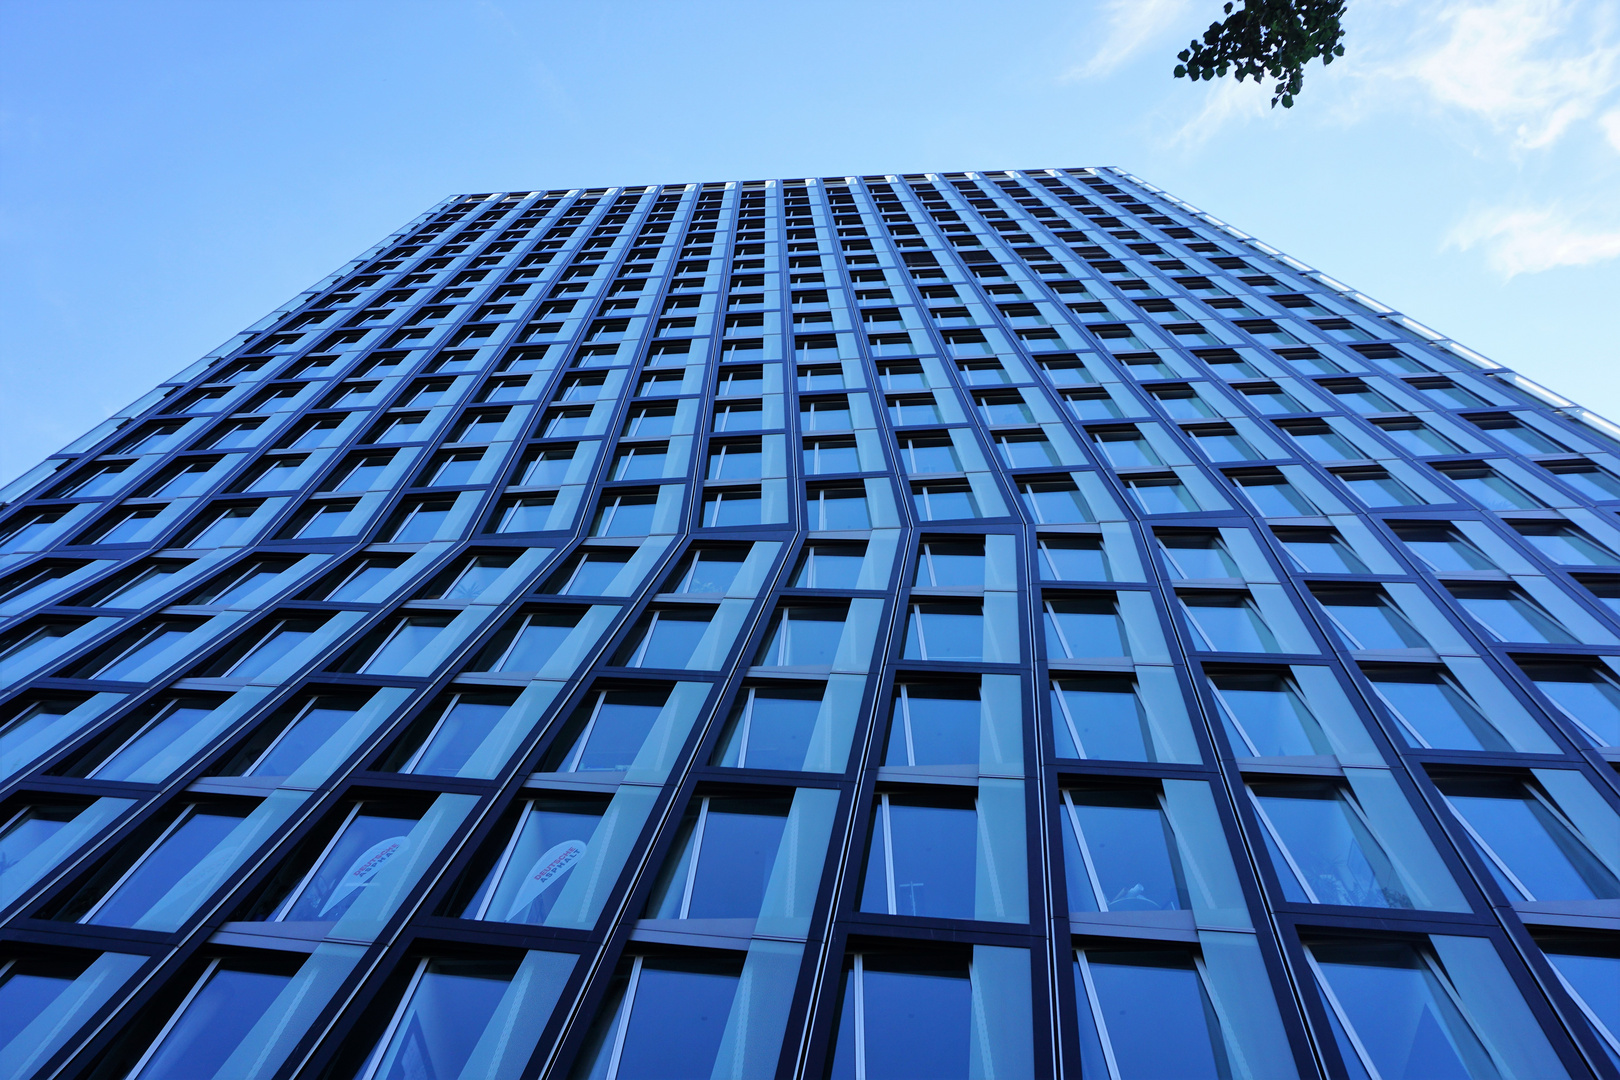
<point>984,625</point>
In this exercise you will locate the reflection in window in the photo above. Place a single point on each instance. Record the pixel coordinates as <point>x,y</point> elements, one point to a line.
<point>625,514</point>
<point>921,856</point>
<point>664,1018</point>
<point>1322,846</point>
<point>1432,711</point>
<point>1489,489</point>
<point>707,570</point>
<point>1395,1013</point>
<point>934,723</point>
<point>1590,970</point>
<point>1365,619</point>
<point>250,657</point>
<point>721,859</point>
<point>832,508</point>
<point>802,635</point>
<point>1120,852</point>
<point>371,835</point>
<point>1320,551</point>
<point>130,886</point>
<point>1100,717</point>
<point>361,577</point>
<point>468,579</point>
<point>443,741</point>
<point>1073,559</point>
<point>1530,847</point>
<point>945,631</point>
<point>1273,496</point>
<point>1585,694</point>
<point>1228,623</point>
<point>1265,716</point>
<point>282,746</point>
<point>831,456</point>
<point>609,731</point>
<point>905,1015</point>
<point>771,728</point>
<point>1128,998</point>
<point>442,1019</point>
<point>216,1017</point>
<point>549,837</point>
<point>1197,555</point>
<point>645,461</point>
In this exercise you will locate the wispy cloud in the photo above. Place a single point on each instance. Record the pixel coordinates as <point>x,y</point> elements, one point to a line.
<point>1529,67</point>
<point>1225,101</point>
<point>1529,240</point>
<point>1134,26</point>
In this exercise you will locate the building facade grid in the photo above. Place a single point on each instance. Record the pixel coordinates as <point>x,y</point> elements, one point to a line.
<point>985,624</point>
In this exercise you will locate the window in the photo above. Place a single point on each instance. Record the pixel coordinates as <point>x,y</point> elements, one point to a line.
<point>910,1014</point>
<point>907,409</point>
<point>1490,490</point>
<point>665,638</point>
<point>132,655</point>
<point>830,566</point>
<point>319,519</point>
<point>771,727</point>
<point>1508,615</point>
<point>731,507</point>
<point>921,856</point>
<point>606,733</point>
<point>361,473</point>
<point>802,635</point>
<point>1432,711</point>
<point>834,508</point>
<point>1272,495</point>
<point>1120,852</point>
<point>1375,487</point>
<point>831,456</point>
<point>549,467</point>
<point>1446,394</point>
<point>821,377</point>
<point>418,521</point>
<point>1084,627</point>
<point>1196,555</point>
<point>130,887</point>
<point>943,500</point>
<point>824,414</point>
<point>368,835</point>
<point>707,570</point>
<point>1054,501</point>
<point>1315,439</point>
<point>1322,846</point>
<point>1531,848</point>
<point>1125,448</point>
<point>217,1016</point>
<point>353,583</point>
<point>624,513</point>
<point>1564,545</point>
<point>1440,547</point>
<point>149,747</point>
<point>1095,404</point>
<point>1162,495</point>
<point>655,421</point>
<point>547,839</point>
<point>1592,482</point>
<point>1228,622</point>
<point>1222,443</point>
<point>1268,400</point>
<point>921,454</point>
<point>721,859</point>
<point>255,653</point>
<point>1265,715</point>
<point>526,643</point>
<point>1585,694</point>
<point>450,737</point>
<point>1182,403</point>
<point>291,738</point>
<point>1519,437</point>
<point>736,460</point>
<point>468,577</point>
<point>132,525</point>
<point>1320,551</point>
<point>1589,969</point>
<point>1066,369</point>
<point>934,723</point>
<point>1365,619</point>
<point>664,1016</point>
<point>1417,438</point>
<point>478,426</point>
<point>392,649</point>
<point>945,631</point>
<point>1127,997</point>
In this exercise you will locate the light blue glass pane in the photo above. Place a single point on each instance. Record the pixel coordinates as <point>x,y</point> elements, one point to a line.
<point>269,652</point>
<point>841,511</point>
<point>148,586</point>
<point>677,1020</point>
<point>917,1025</point>
<point>476,578</point>
<point>1201,560</point>
<point>827,567</point>
<point>421,526</point>
<point>711,571</point>
<point>29,831</point>
<point>305,737</point>
<point>1331,848</point>
<point>1373,627</point>
<point>942,504</point>
<point>1596,704</point>
<point>616,738</point>
<point>445,1019</point>
<point>1272,716</point>
<point>146,650</point>
<point>367,844</point>
<point>1232,627</point>
<point>951,565</point>
<point>1569,550</point>
<point>1407,1024</point>
<point>553,837</point>
<point>732,508</point>
<point>458,738</point>
<point>1440,714</point>
<point>403,647</point>
<point>180,852</point>
<point>1144,995</point>
<point>28,988</point>
<point>1110,723</point>
<point>943,730</point>
<point>234,592</point>
<point>843,1062</point>
<point>361,582</point>
<point>595,572</point>
<point>778,731</point>
<point>1449,555</point>
<point>1538,848</point>
<point>1056,507</point>
<point>130,761</point>
<point>1512,619</point>
<point>1277,500</point>
<point>740,841</point>
<point>537,642</point>
<point>214,1024</point>
<point>948,634</point>
<point>1075,632</point>
<point>1073,562</point>
<point>671,641</point>
<point>629,519</point>
<point>805,636</point>
<point>1133,853</point>
<point>933,860</point>
<point>1596,980</point>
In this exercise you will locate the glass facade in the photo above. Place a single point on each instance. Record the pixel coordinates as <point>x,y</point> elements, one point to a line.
<point>964,625</point>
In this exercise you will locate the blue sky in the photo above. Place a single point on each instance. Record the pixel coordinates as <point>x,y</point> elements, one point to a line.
<point>170,172</point>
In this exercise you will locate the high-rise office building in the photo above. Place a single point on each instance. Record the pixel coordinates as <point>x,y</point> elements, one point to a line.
<point>987,625</point>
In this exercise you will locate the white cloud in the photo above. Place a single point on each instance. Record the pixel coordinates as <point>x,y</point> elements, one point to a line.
<point>1225,101</point>
<point>1529,240</point>
<point>1532,67</point>
<point>1610,122</point>
<point>1133,26</point>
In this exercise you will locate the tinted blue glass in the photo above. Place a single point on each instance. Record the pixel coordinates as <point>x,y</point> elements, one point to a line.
<point>1084,628</point>
<point>553,835</point>
<point>30,829</point>
<point>1132,851</point>
<point>146,649</point>
<point>361,581</point>
<point>595,572</point>
<point>616,736</point>
<point>669,640</point>
<point>307,735</point>
<point>830,566</point>
<point>444,1019</point>
<point>364,847</point>
<point>945,632</point>
<point>281,641</point>
<point>1144,995</point>
<point>1596,980</point>
<point>1333,852</point>
<point>535,643</point>
<point>214,1024</point>
<point>917,1024</point>
<point>1405,1020</point>
<point>933,859</point>
<point>804,636</point>
<point>1538,848</point>
<point>28,988</point>
<point>464,729</point>
<point>1441,715</point>
<point>772,732</point>
<point>677,1020</point>
<point>142,759</point>
<point>413,634</point>
<point>1098,718</point>
<point>740,840</point>
<point>176,855</point>
<point>934,726</point>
